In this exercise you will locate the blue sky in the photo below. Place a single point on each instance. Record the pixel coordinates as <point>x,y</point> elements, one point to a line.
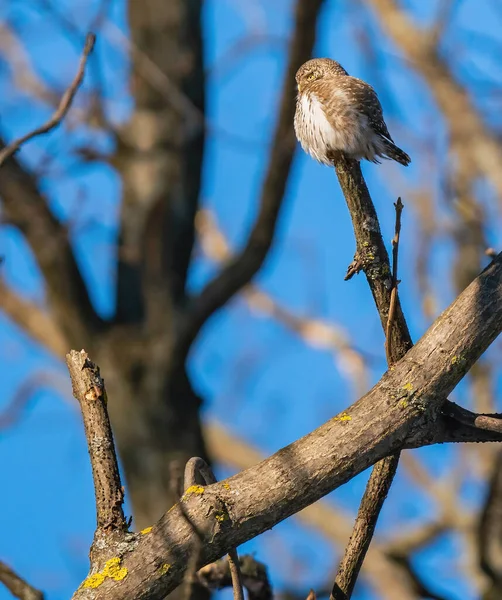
<point>257,378</point>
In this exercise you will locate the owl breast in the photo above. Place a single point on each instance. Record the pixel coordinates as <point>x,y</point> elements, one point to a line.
<point>342,129</point>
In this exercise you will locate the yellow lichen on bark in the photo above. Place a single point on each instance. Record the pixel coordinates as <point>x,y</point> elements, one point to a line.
<point>112,569</point>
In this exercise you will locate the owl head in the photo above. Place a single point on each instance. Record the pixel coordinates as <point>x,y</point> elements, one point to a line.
<point>316,69</point>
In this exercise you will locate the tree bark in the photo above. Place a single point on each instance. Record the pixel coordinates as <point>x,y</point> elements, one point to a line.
<point>404,405</point>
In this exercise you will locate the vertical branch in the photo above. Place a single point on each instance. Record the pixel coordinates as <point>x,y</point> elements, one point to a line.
<point>195,468</point>
<point>371,257</point>
<point>393,294</point>
<point>89,390</point>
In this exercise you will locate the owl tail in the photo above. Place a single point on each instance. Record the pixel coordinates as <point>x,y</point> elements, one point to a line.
<point>396,153</point>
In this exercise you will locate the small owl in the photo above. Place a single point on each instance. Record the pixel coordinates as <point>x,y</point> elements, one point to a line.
<point>339,113</point>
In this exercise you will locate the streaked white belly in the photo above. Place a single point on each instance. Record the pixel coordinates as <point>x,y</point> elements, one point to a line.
<point>348,130</point>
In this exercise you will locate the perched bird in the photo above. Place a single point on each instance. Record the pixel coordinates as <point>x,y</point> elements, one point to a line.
<point>339,113</point>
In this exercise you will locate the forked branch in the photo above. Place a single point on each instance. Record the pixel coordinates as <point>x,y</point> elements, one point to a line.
<point>405,404</point>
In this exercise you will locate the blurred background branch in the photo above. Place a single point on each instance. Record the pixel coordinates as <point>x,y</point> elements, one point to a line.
<point>117,224</point>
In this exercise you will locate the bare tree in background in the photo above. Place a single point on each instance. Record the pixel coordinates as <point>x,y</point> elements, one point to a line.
<point>142,350</point>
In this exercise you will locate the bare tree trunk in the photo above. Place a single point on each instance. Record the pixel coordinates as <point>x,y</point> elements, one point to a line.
<point>155,412</point>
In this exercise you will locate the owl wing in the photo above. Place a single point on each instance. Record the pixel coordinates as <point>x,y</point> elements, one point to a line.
<point>369,104</point>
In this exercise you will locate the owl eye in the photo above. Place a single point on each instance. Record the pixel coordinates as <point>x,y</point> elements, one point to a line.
<point>311,77</point>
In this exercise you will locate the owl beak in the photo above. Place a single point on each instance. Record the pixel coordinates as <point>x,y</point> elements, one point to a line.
<point>299,88</point>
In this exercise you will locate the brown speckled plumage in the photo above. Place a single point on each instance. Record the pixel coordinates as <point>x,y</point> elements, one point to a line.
<point>339,113</point>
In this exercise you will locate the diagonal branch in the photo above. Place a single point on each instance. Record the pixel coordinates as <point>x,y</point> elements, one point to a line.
<point>62,109</point>
<point>33,320</point>
<point>243,267</point>
<point>405,401</point>
<point>374,496</point>
<point>17,586</point>
<point>334,523</point>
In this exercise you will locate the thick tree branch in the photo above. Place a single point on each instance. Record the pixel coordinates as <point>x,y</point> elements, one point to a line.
<point>243,267</point>
<point>17,586</point>
<point>407,399</point>
<point>62,109</point>
<point>159,155</point>
<point>329,520</point>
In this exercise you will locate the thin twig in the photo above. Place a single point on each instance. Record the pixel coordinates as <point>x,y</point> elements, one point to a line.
<point>395,282</point>
<point>217,575</point>
<point>17,586</point>
<point>62,109</point>
<point>196,466</point>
